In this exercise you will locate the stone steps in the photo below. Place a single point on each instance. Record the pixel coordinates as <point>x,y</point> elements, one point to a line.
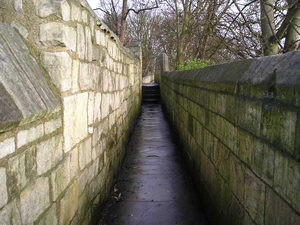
<point>151,93</point>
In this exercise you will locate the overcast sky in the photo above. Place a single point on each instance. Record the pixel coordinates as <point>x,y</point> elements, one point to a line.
<point>93,3</point>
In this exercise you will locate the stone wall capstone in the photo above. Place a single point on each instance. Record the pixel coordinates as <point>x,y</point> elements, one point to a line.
<point>69,97</point>
<point>239,127</point>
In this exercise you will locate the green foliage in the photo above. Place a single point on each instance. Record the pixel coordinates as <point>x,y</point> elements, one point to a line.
<point>195,64</point>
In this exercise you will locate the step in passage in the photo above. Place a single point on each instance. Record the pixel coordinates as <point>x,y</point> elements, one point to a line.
<point>151,93</point>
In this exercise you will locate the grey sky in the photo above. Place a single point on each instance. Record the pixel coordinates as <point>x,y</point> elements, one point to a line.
<point>93,3</point>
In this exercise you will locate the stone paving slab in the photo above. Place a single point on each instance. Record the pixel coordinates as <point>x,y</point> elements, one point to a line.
<point>154,185</point>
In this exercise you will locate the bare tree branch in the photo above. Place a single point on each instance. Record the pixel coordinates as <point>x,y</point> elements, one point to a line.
<point>141,10</point>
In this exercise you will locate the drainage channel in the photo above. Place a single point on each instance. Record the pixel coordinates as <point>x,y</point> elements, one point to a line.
<point>153,187</point>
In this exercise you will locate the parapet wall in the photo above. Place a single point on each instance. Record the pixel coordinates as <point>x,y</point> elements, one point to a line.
<point>239,125</point>
<point>69,94</point>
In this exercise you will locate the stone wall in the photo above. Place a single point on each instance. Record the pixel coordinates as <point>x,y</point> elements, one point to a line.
<point>69,95</point>
<point>239,126</point>
<point>148,79</point>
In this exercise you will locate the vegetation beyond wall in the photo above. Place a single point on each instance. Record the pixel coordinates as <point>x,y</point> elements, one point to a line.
<point>69,97</point>
<point>239,126</point>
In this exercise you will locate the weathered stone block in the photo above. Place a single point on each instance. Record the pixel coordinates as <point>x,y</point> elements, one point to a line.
<point>89,45</point>
<point>75,75</point>
<point>65,11</point>
<point>76,13</point>
<point>95,73</point>
<point>105,105</point>
<point>96,53</point>
<point>230,137</point>
<point>85,153</point>
<point>60,178</point>
<point>58,34</point>
<point>277,212</point>
<point>231,109</point>
<point>21,170</point>
<point>10,214</point>
<point>59,67</point>
<point>247,220</point>
<point>44,8</point>
<point>34,200</point>
<point>103,58</point>
<point>254,197</point>
<point>84,16</point>
<point>112,119</point>
<point>18,5</point>
<point>26,136</point>
<point>85,82</point>
<point>83,180</point>
<point>75,119</point>
<point>81,42</point>
<point>84,207</point>
<point>48,154</point>
<point>97,107</point>
<point>208,143</point>
<point>69,204</point>
<point>263,162</point>
<point>7,147</point>
<point>91,104</point>
<point>5,214</point>
<point>246,146</point>
<point>105,80</point>
<point>93,171</point>
<point>74,165</point>
<point>250,114</point>
<point>97,151</point>
<point>3,188</point>
<point>111,82</point>
<point>279,127</point>
<point>297,140</point>
<point>100,38</point>
<point>52,125</point>
<point>236,177</point>
<point>286,179</point>
<point>92,25</point>
<point>50,217</point>
<point>95,186</point>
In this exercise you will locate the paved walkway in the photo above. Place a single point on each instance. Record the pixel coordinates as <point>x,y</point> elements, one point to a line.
<point>155,189</point>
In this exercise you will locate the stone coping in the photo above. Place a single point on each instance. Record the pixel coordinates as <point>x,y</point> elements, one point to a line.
<point>25,94</point>
<point>266,77</point>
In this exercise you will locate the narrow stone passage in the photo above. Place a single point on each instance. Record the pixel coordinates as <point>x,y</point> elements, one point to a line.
<point>155,187</point>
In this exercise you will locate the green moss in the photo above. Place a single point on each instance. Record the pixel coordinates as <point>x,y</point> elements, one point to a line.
<point>246,147</point>
<point>195,64</point>
<point>279,127</point>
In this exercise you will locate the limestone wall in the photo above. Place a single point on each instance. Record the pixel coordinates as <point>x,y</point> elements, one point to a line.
<point>69,95</point>
<point>239,125</point>
<point>148,79</point>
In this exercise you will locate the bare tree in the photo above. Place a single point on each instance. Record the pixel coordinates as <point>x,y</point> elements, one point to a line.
<point>292,40</point>
<point>288,29</point>
<point>116,18</point>
<point>145,27</point>
<point>217,30</point>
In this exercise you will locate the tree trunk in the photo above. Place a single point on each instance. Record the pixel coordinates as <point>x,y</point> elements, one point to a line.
<point>123,25</point>
<point>269,45</point>
<point>179,56</point>
<point>182,30</point>
<point>293,33</point>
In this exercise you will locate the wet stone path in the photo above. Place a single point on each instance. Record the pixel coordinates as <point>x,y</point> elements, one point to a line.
<point>153,185</point>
